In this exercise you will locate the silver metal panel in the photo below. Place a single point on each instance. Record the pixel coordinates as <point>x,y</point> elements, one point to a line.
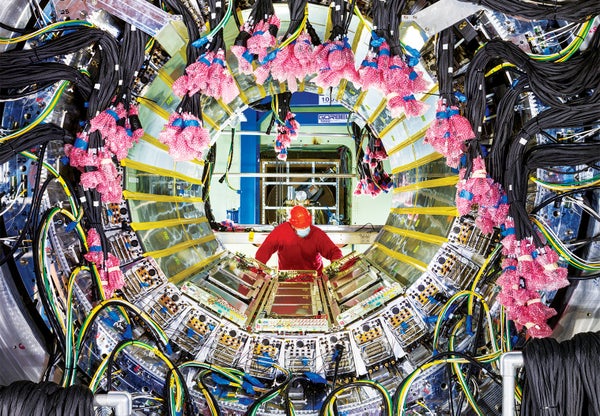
<point>441,15</point>
<point>22,352</point>
<point>582,314</point>
<point>15,16</point>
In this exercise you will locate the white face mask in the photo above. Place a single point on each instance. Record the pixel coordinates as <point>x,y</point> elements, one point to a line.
<point>302,232</point>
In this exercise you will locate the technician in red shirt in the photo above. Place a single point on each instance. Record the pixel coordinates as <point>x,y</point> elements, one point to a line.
<point>299,244</point>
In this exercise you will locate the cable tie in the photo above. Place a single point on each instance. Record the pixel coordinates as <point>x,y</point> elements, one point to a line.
<point>522,141</point>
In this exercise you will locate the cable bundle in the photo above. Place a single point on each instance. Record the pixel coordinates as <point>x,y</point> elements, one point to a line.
<point>26,398</point>
<point>449,131</point>
<point>532,266</point>
<point>287,126</point>
<point>334,59</point>
<point>38,135</point>
<point>184,132</point>
<point>111,275</point>
<point>384,38</point>
<point>389,64</point>
<point>209,74</point>
<point>562,378</point>
<point>257,39</point>
<point>373,179</point>
<point>186,137</point>
<point>294,59</point>
<point>42,75</point>
<point>557,84</point>
<point>570,10</point>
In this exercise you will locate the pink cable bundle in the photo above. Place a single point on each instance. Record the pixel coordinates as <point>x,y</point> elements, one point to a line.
<point>494,214</point>
<point>401,82</point>
<point>477,189</point>
<point>78,154</point>
<point>285,134</point>
<point>371,69</point>
<point>523,305</point>
<point>112,277</point>
<point>185,136</point>
<point>126,136</point>
<point>527,270</point>
<point>109,270</point>
<point>491,216</point>
<point>114,127</point>
<point>262,40</point>
<point>244,59</point>
<point>110,122</point>
<point>293,62</point>
<point>448,132</point>
<point>369,73</point>
<point>209,76</point>
<point>366,186</point>
<point>106,179</point>
<point>257,42</point>
<point>94,254</point>
<point>556,275</point>
<point>407,104</point>
<point>334,61</point>
<point>374,152</point>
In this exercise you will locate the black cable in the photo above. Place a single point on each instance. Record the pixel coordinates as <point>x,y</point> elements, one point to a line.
<point>562,378</point>
<point>571,10</point>
<point>257,403</point>
<point>26,398</point>
<point>450,354</point>
<point>46,73</point>
<point>39,268</point>
<point>211,396</point>
<point>330,396</point>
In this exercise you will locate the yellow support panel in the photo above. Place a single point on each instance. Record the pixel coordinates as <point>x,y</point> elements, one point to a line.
<point>357,34</point>
<point>341,89</point>
<point>207,120</point>
<point>382,105</point>
<point>184,274</point>
<point>417,264</point>
<point>359,100</point>
<point>390,126</point>
<point>412,139</point>
<point>166,78</point>
<point>432,183</point>
<point>134,164</point>
<point>225,107</point>
<point>179,247</point>
<point>140,196</point>
<point>156,143</point>
<point>155,108</point>
<point>432,157</point>
<point>152,140</point>
<point>150,225</point>
<point>442,211</point>
<point>428,238</point>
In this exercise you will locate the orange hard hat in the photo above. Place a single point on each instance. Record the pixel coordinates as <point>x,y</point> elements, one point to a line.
<point>300,217</point>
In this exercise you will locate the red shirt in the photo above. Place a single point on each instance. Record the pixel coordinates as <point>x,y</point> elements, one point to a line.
<point>298,253</point>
